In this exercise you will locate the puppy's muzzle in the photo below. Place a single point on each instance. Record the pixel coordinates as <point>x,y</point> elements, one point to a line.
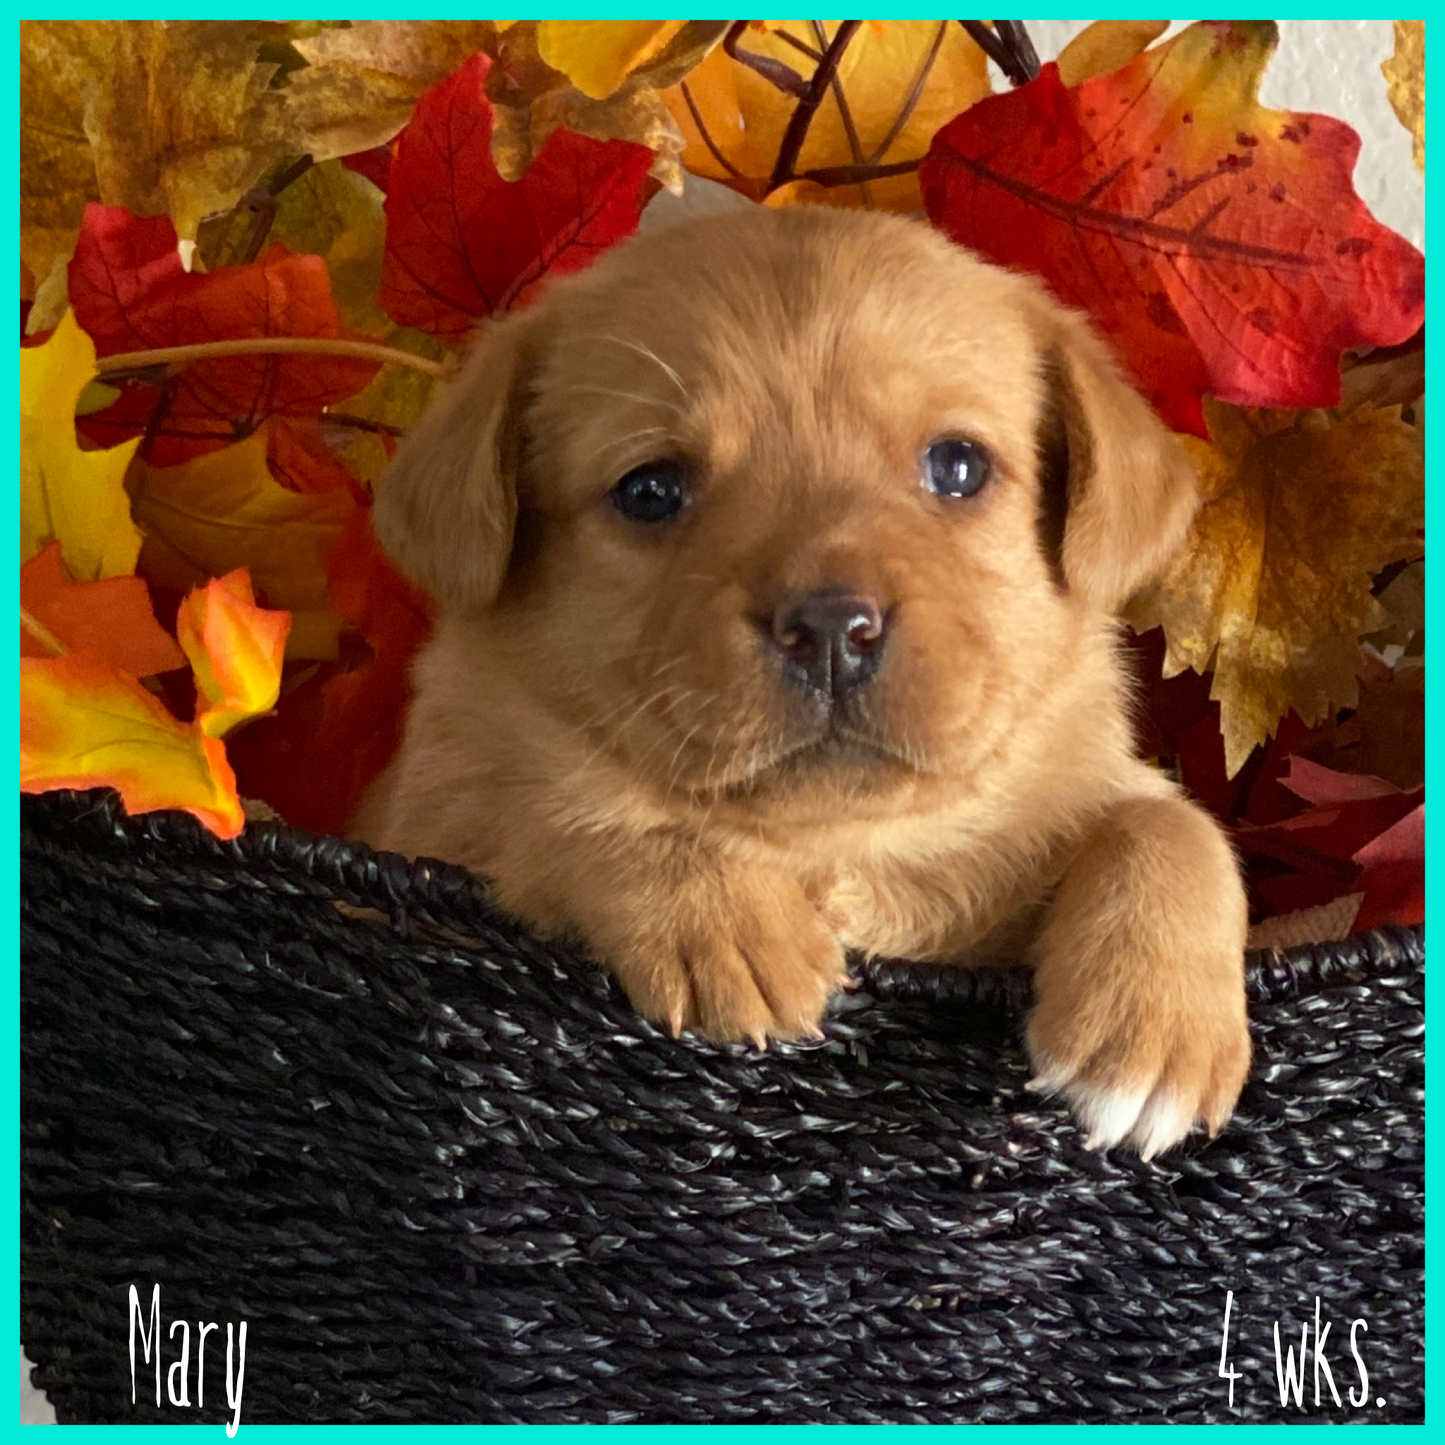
<point>832,641</point>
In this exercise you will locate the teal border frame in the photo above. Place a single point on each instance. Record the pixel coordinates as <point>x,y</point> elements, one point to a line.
<point>1435,725</point>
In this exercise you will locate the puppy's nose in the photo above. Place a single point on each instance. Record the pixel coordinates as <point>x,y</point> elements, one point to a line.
<point>835,639</point>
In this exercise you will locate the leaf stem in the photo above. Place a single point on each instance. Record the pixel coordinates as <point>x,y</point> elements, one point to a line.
<point>802,118</point>
<point>126,361</point>
<point>42,634</point>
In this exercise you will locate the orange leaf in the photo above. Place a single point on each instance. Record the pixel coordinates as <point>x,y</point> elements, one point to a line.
<point>235,649</point>
<point>111,619</point>
<point>86,724</point>
<point>898,82</point>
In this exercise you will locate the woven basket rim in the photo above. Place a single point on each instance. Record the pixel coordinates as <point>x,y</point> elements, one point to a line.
<point>447,896</point>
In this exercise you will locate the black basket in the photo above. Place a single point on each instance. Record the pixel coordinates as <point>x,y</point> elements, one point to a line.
<point>445,1174</point>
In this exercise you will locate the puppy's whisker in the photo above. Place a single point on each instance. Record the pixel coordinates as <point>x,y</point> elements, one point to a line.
<point>671,406</point>
<point>651,355</point>
<point>619,443</point>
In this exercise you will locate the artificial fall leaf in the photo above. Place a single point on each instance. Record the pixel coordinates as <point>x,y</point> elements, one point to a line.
<point>1405,70</point>
<point>224,510</point>
<point>235,650</point>
<point>1359,835</point>
<point>534,97</point>
<point>73,497</point>
<point>1393,874</point>
<point>335,212</point>
<point>900,81</point>
<point>334,732</point>
<point>598,55</point>
<point>1273,587</point>
<point>57,168</point>
<point>131,293</point>
<point>300,458</point>
<point>1220,244</point>
<point>462,243</point>
<point>1386,376</point>
<point>86,724</point>
<point>111,619</point>
<point>388,64</point>
<point>184,116</point>
<point>1105,46</point>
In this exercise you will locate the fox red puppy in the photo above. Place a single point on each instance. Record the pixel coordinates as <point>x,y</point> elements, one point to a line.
<point>777,559</point>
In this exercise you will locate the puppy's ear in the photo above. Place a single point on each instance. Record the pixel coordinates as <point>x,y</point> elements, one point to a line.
<point>446,506</point>
<point>1117,489</point>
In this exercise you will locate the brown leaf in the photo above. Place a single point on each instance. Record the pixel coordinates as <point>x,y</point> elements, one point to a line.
<point>1273,588</point>
<point>533,98</point>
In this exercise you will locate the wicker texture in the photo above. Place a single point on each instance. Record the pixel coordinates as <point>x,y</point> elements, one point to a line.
<point>450,1180</point>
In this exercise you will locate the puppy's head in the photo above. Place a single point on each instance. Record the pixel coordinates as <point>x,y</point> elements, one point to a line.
<point>786,507</point>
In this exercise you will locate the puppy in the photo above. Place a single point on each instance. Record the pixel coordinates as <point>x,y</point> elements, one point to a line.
<point>777,558</point>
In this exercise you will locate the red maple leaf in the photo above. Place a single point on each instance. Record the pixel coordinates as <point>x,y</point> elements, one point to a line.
<point>461,242</point>
<point>131,293</point>
<point>374,164</point>
<point>298,456</point>
<point>1360,834</point>
<point>1220,244</point>
<point>338,729</point>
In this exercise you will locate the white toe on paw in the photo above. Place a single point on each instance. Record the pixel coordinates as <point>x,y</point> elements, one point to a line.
<point>1165,1120</point>
<point>1110,1114</point>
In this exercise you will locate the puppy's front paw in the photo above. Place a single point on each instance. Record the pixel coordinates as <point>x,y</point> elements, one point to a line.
<point>1140,1021</point>
<point>1139,1066</point>
<point>747,958</point>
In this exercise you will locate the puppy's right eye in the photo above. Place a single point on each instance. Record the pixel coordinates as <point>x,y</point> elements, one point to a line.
<point>653,492</point>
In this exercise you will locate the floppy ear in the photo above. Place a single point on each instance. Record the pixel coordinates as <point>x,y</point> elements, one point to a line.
<point>446,505</point>
<point>1118,491</point>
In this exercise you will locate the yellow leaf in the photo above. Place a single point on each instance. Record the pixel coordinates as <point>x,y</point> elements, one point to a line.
<point>1105,46</point>
<point>70,496</point>
<point>86,724</point>
<point>598,55</point>
<point>224,510</point>
<point>1405,70</point>
<point>1273,588</point>
<point>901,80</point>
<point>235,650</point>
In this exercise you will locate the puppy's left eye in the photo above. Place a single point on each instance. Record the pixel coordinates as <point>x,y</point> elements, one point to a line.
<point>654,492</point>
<point>953,467</point>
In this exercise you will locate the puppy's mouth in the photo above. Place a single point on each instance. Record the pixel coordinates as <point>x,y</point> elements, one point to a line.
<point>838,747</point>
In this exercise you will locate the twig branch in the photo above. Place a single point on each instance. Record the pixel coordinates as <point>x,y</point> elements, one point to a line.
<point>802,118</point>
<point>773,71</point>
<point>857,175</point>
<point>1008,46</point>
<point>128,361</point>
<point>261,202</point>
<point>1020,48</point>
<point>362,423</point>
